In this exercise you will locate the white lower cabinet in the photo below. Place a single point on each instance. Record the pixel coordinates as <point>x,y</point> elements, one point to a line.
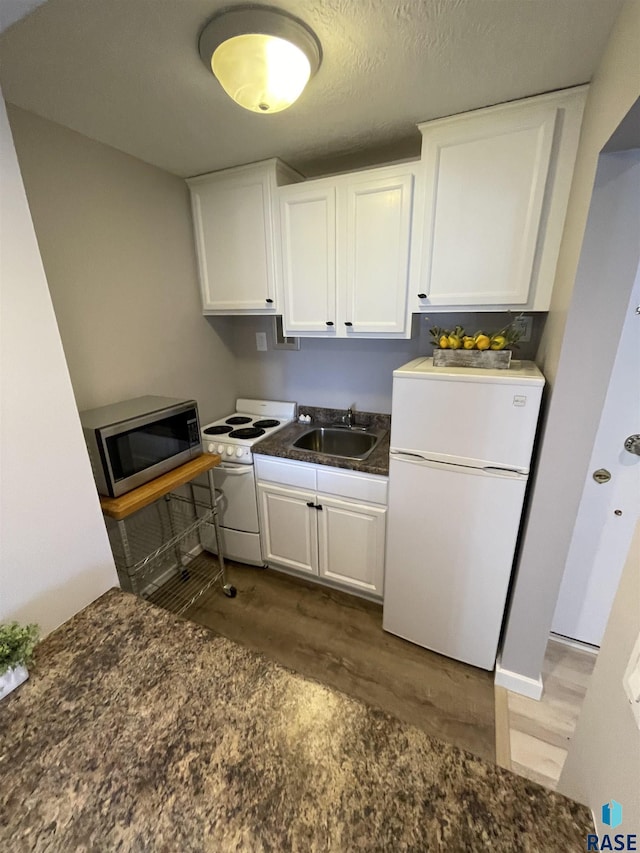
<point>288,528</point>
<point>338,540</point>
<point>351,544</point>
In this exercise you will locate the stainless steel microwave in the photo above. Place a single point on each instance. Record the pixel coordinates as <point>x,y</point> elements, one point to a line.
<point>132,442</point>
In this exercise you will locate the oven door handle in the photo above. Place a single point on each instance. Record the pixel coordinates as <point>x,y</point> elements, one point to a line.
<point>234,471</point>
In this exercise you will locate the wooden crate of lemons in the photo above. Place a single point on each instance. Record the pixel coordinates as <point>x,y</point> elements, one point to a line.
<point>456,348</point>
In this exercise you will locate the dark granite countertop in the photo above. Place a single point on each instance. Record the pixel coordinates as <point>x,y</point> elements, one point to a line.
<point>279,444</point>
<point>140,731</point>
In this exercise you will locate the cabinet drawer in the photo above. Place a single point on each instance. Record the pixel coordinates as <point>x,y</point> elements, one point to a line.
<point>289,474</point>
<point>356,486</point>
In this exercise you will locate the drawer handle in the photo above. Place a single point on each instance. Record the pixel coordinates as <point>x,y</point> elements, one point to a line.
<point>314,506</point>
<point>270,301</point>
<point>329,323</point>
<point>347,323</point>
<point>422,296</point>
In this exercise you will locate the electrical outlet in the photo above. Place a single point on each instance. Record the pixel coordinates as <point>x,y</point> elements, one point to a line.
<point>261,341</point>
<point>524,326</point>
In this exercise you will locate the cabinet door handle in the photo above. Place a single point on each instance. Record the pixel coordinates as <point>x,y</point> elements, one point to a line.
<point>270,301</point>
<point>311,503</point>
<point>318,506</point>
<point>422,296</point>
<point>329,323</point>
<point>347,323</point>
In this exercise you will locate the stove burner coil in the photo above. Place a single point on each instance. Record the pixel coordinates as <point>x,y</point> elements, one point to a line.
<point>221,429</point>
<point>265,424</point>
<point>247,432</point>
<point>238,419</point>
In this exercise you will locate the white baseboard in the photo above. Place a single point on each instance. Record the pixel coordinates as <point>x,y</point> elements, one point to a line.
<point>516,683</point>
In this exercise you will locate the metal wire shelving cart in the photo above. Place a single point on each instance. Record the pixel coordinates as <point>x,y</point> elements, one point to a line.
<point>155,536</point>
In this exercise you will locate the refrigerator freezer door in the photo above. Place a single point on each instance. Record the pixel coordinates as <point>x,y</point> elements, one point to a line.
<point>466,418</point>
<point>451,535</point>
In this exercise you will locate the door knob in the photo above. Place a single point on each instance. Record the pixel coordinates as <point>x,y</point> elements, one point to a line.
<point>632,444</point>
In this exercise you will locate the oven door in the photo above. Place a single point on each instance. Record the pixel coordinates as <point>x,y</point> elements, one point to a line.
<point>238,508</point>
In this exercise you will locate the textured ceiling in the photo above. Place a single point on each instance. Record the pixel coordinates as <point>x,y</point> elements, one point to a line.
<point>127,72</point>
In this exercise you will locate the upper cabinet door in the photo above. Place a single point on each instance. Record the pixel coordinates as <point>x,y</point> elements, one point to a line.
<point>377,247</point>
<point>308,232</point>
<point>485,177</point>
<point>234,239</point>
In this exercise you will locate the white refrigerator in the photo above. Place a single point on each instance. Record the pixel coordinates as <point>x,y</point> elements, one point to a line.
<point>461,444</point>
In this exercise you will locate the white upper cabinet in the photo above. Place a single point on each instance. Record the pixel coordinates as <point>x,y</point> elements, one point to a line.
<point>346,254</point>
<point>377,245</point>
<point>495,191</point>
<point>235,227</point>
<point>308,231</point>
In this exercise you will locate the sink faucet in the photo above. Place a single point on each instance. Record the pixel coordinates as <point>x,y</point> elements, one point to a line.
<point>348,418</point>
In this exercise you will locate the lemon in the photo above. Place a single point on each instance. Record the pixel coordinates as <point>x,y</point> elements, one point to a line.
<point>468,342</point>
<point>443,343</point>
<point>483,342</point>
<point>498,342</point>
<point>454,342</point>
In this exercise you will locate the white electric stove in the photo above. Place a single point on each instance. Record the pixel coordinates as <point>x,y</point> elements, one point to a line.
<point>232,438</point>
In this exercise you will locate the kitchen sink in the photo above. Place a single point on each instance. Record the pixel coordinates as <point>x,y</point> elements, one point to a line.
<point>336,441</point>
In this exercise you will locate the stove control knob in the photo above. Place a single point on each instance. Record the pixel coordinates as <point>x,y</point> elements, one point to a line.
<point>211,448</point>
<point>239,452</point>
<point>229,451</point>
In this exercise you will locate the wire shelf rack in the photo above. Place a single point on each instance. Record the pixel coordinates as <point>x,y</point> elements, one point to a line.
<point>158,552</point>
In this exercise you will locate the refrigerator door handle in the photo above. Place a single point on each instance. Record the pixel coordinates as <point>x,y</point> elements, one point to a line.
<point>491,470</point>
<point>505,472</point>
<point>407,456</point>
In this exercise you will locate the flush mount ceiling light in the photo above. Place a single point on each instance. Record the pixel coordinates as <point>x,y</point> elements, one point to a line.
<point>262,57</point>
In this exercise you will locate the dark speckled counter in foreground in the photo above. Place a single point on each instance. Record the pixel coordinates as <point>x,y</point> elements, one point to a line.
<point>279,443</point>
<point>139,731</point>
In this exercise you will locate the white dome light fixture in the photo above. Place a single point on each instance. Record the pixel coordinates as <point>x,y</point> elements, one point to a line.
<point>262,57</point>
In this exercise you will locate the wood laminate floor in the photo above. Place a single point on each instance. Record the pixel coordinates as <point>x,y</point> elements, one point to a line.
<point>540,731</point>
<point>338,640</point>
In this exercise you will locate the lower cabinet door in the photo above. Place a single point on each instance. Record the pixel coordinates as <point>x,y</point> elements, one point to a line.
<point>351,544</point>
<point>289,527</point>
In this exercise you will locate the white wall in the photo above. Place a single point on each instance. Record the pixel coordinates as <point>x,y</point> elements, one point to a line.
<point>54,553</point>
<point>576,369</point>
<point>117,246</point>
<point>604,753</point>
<point>338,373</point>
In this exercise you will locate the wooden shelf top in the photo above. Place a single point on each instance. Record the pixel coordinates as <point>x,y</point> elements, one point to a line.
<point>136,499</point>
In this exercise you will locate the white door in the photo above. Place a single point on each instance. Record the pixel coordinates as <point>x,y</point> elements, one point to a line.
<point>378,232</point>
<point>308,232</point>
<point>288,528</point>
<point>485,179</point>
<point>601,538</point>
<point>451,535</point>
<point>351,544</point>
